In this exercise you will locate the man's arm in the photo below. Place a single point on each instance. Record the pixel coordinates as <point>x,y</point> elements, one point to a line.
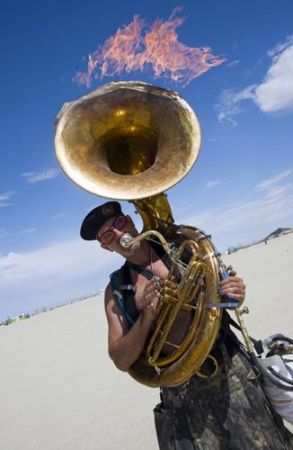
<point>125,345</point>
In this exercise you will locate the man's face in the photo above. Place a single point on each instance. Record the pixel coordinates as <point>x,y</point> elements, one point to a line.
<point>111,232</point>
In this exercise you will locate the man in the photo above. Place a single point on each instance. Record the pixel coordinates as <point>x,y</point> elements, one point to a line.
<point>226,411</point>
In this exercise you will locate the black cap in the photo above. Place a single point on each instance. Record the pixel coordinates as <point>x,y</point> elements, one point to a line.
<point>96,218</point>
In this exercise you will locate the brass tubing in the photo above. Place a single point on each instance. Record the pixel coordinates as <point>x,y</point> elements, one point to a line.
<point>247,340</point>
<point>146,236</point>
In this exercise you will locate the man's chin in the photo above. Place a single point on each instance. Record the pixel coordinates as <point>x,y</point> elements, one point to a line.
<point>131,250</point>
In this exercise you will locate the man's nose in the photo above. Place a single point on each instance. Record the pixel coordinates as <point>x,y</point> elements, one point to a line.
<point>118,233</point>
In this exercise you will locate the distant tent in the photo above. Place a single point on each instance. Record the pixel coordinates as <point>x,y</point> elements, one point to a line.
<point>278,232</point>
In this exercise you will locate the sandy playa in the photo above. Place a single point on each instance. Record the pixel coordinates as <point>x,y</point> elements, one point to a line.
<point>60,391</point>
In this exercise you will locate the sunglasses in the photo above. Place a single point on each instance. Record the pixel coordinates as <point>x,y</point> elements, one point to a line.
<point>108,236</point>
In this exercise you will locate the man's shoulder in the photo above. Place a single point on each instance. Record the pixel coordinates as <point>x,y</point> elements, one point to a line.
<point>116,277</point>
<point>115,273</point>
<point>116,280</point>
<point>108,293</point>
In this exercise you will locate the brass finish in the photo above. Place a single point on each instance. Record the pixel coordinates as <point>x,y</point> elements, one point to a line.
<point>239,313</point>
<point>216,368</point>
<point>197,287</point>
<point>125,139</point>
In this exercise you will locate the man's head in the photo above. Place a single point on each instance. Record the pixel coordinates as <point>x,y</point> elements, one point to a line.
<point>96,218</point>
<point>107,224</point>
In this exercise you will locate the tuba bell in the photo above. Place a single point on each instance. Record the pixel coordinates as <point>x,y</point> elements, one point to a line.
<point>133,141</point>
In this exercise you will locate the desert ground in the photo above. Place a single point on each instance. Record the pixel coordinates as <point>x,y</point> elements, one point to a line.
<point>60,391</point>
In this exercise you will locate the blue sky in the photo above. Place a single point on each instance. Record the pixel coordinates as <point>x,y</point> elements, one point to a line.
<point>239,190</point>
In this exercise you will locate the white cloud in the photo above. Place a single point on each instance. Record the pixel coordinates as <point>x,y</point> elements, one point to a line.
<point>56,273</point>
<point>247,220</point>
<point>61,260</point>
<point>59,215</point>
<point>233,63</point>
<point>35,177</point>
<point>211,184</point>
<point>275,51</point>
<point>274,93</point>
<point>28,231</point>
<point>5,197</point>
<point>270,182</point>
<point>228,105</point>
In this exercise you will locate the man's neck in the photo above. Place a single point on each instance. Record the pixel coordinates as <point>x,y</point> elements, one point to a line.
<point>144,256</point>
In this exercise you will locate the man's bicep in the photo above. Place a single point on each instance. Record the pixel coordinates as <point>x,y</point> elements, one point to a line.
<point>117,324</point>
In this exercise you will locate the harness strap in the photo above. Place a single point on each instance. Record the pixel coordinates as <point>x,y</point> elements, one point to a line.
<point>120,302</point>
<point>140,269</point>
<point>128,287</point>
<point>146,272</point>
<point>123,292</point>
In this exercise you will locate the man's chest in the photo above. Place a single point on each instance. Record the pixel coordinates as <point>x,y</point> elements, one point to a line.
<point>140,280</point>
<point>184,318</point>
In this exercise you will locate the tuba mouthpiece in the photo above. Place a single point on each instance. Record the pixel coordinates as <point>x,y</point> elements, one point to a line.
<point>125,240</point>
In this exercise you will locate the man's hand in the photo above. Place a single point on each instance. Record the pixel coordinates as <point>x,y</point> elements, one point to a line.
<point>150,298</point>
<point>233,287</point>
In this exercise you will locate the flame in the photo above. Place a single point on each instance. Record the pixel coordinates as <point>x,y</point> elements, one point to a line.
<point>137,47</point>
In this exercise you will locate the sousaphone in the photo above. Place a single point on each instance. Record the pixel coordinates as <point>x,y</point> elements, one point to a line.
<point>133,141</point>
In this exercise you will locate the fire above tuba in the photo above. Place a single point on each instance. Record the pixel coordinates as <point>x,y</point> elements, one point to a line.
<point>132,141</point>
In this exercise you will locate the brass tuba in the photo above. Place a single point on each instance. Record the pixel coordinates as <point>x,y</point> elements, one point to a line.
<point>133,141</point>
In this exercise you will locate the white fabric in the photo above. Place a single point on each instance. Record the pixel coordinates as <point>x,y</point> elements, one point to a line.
<point>281,399</point>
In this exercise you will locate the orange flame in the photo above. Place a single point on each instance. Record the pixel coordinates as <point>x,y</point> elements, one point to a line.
<point>134,47</point>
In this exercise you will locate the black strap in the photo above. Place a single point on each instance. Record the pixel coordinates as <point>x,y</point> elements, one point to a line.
<point>157,247</point>
<point>128,294</point>
<point>140,269</point>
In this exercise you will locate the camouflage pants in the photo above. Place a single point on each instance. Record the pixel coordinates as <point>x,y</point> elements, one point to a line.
<point>227,412</point>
